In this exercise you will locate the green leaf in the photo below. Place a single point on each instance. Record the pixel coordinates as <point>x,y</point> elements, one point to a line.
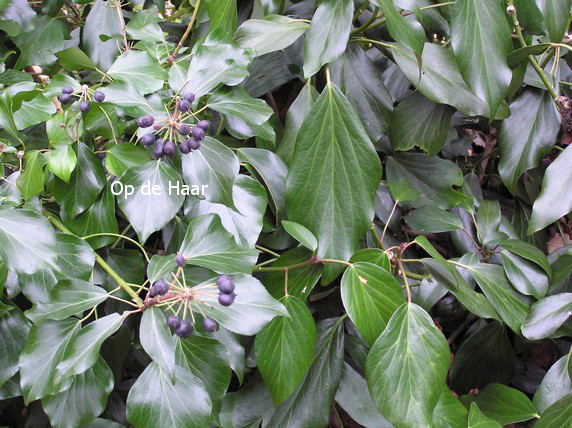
<point>311,403</point>
<point>520,55</point>
<point>67,298</point>
<point>337,215</point>
<point>430,219</point>
<point>478,420</point>
<point>236,102</point>
<point>530,17</point>
<point>553,202</point>
<point>85,184</point>
<point>140,70</point>
<point>408,32</point>
<point>512,306</point>
<point>43,351</point>
<point>62,161</point>
<point>477,26</point>
<point>144,26</point>
<point>449,411</point>
<point>125,95</point>
<point>31,182</point>
<point>374,256</point>
<point>122,157</point>
<point>222,14</point>
<point>557,415</point>
<point>74,59</point>
<point>420,122</point>
<point>33,112</point>
<point>149,211</point>
<point>101,20</point>
<point>7,115</point>
<point>401,191</point>
<point>83,350</point>
<point>546,316</point>
<point>410,355</point>
<point>527,135</point>
<point>84,400</point>
<point>371,295</point>
<point>216,60</point>
<point>38,45</point>
<point>431,176</point>
<point>273,33</point>
<point>14,328</point>
<point>252,309</point>
<point>27,241</point>
<point>157,340</point>
<point>485,357</point>
<point>441,80</point>
<point>328,35</point>
<point>504,404</point>
<point>352,396</point>
<point>301,234</point>
<point>213,165</point>
<point>209,245</point>
<point>529,252</point>
<point>155,401</point>
<point>525,276</point>
<point>555,385</point>
<point>295,338</point>
<point>555,17</point>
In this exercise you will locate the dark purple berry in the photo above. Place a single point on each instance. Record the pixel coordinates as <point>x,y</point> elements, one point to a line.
<point>169,148</point>
<point>148,139</point>
<point>194,144</point>
<point>99,96</point>
<point>65,98</point>
<point>180,259</point>
<point>67,90</point>
<point>158,151</point>
<point>225,284</point>
<point>198,133</point>
<point>84,107</point>
<point>173,322</point>
<point>226,299</point>
<point>185,147</point>
<point>160,288</point>
<point>184,330</point>
<point>184,129</point>
<point>189,97</point>
<point>184,106</point>
<point>210,325</point>
<point>145,121</point>
<point>204,124</point>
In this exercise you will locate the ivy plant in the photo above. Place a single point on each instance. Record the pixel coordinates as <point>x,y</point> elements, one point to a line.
<point>279,213</point>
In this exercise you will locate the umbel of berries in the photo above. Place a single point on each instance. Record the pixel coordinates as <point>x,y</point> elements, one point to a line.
<point>226,290</point>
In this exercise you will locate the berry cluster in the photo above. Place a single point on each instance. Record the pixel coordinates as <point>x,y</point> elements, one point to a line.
<point>181,300</point>
<point>84,94</point>
<point>175,130</point>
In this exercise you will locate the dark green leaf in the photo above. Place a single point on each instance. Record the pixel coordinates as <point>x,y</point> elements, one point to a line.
<point>236,102</point>
<point>546,316</point>
<point>430,219</point>
<point>408,32</point>
<point>74,59</point>
<point>504,404</point>
<point>14,328</point>
<point>101,20</point>
<point>157,340</point>
<point>140,70</point>
<point>555,17</point>
<point>38,45</point>
<point>478,420</point>
<point>555,385</point>
<point>31,181</point>
<point>301,234</point>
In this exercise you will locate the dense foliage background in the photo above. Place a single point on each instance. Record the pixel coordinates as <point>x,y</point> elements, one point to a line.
<point>388,193</point>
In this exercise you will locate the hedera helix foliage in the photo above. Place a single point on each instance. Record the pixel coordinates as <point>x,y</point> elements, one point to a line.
<point>285,213</point>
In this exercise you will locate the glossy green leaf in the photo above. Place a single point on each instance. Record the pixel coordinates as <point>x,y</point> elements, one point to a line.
<point>140,70</point>
<point>14,330</point>
<point>295,337</point>
<point>328,35</point>
<point>430,219</point>
<point>529,252</point>
<point>7,115</point>
<point>374,256</point>
<point>74,59</point>
<point>449,411</point>
<point>33,112</point>
<point>370,295</point>
<point>337,216</point>
<point>122,157</point>
<point>527,135</point>
<point>270,34</point>
<point>546,316</point>
<point>412,355</point>
<point>555,385</point>
<point>301,234</point>
<point>223,15</point>
<point>101,20</point>
<point>555,17</point>
<point>557,415</point>
<point>62,161</point>
<point>144,26</point>
<point>236,102</point>
<point>38,45</point>
<point>478,420</point>
<point>157,340</point>
<point>31,181</point>
<point>525,276</point>
<point>505,405</point>
<point>408,32</point>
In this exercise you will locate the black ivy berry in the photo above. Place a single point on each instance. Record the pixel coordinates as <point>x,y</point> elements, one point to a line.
<point>180,259</point>
<point>184,129</point>
<point>189,97</point>
<point>185,147</point>
<point>194,144</point>
<point>160,288</point>
<point>148,139</point>
<point>225,284</point>
<point>184,330</point>
<point>158,151</point>
<point>173,322</point>
<point>65,98</point>
<point>210,325</point>
<point>145,121</point>
<point>226,299</point>
<point>99,96</point>
<point>204,124</point>
<point>84,107</point>
<point>184,106</point>
<point>198,133</point>
<point>67,90</point>
<point>169,148</point>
